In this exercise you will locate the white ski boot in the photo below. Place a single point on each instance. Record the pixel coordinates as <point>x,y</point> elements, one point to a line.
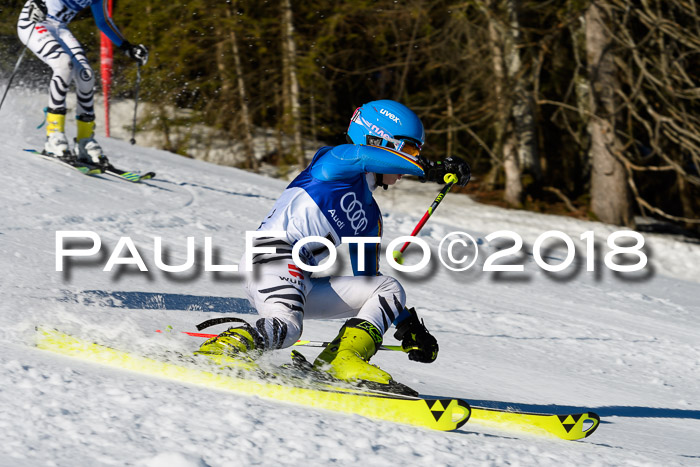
<point>89,150</point>
<point>56,142</point>
<point>57,145</point>
<point>86,148</point>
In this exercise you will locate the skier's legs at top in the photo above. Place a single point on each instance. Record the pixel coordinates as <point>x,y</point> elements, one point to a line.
<point>56,46</point>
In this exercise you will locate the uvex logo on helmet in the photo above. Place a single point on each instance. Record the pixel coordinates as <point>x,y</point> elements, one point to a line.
<point>390,115</point>
<point>354,212</point>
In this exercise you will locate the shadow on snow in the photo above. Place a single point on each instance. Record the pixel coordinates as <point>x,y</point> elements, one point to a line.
<point>603,411</point>
<point>169,301</point>
<point>159,301</point>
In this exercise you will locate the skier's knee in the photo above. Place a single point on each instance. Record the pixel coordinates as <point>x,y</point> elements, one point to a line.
<point>85,76</point>
<point>393,288</point>
<point>62,67</point>
<point>279,332</point>
<point>294,331</point>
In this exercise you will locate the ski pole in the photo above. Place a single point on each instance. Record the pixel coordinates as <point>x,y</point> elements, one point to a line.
<point>14,72</point>
<point>136,102</point>
<point>325,344</point>
<point>450,179</point>
<point>304,343</point>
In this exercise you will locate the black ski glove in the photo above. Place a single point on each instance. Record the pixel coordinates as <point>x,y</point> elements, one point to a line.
<point>414,336</point>
<point>135,52</point>
<point>436,171</point>
<point>37,11</point>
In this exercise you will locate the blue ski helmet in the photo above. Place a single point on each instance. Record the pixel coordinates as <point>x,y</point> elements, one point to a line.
<point>387,123</point>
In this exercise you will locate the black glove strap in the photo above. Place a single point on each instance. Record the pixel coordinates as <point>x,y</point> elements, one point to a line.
<point>416,340</point>
<point>434,171</point>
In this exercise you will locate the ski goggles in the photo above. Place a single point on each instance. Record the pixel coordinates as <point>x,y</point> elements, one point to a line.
<point>404,145</point>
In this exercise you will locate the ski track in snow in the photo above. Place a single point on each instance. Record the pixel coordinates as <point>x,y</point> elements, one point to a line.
<point>626,349</point>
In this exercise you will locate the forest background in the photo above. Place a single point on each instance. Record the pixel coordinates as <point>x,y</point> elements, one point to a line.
<point>579,107</point>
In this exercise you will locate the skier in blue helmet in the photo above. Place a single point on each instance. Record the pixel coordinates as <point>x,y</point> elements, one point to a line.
<point>386,123</point>
<point>332,198</point>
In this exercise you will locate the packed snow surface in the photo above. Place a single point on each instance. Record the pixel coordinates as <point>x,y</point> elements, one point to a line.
<point>625,345</point>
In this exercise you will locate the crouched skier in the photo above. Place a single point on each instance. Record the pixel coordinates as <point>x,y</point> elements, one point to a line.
<point>332,198</point>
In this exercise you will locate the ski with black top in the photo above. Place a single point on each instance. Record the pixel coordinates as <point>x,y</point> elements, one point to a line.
<point>69,161</point>
<point>93,169</point>
<point>127,175</point>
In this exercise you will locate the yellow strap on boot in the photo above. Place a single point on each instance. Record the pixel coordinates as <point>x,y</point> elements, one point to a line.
<point>85,129</point>
<point>55,123</point>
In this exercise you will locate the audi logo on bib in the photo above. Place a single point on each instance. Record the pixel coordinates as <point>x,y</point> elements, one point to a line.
<point>354,212</point>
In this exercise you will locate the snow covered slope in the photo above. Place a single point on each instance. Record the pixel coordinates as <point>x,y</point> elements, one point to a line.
<point>626,346</point>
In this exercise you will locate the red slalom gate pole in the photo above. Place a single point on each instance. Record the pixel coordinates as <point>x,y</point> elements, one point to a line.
<point>106,58</point>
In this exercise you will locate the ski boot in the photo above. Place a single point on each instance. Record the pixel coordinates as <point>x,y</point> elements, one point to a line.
<point>86,148</point>
<point>236,347</point>
<point>346,358</point>
<point>56,144</point>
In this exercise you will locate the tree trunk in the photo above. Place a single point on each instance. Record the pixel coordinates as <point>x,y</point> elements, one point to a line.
<point>223,120</point>
<point>292,105</point>
<point>408,58</point>
<point>450,125</point>
<point>500,42</point>
<point>610,194</point>
<point>579,126</point>
<point>222,68</point>
<point>522,107</point>
<point>684,192</point>
<point>243,96</point>
<point>312,110</point>
<point>511,165</point>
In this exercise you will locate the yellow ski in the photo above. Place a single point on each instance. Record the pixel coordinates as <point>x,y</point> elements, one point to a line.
<point>567,426</point>
<point>439,414</point>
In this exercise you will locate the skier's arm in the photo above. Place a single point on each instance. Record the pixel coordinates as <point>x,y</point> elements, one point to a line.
<point>99,11</point>
<point>349,160</point>
<point>105,23</point>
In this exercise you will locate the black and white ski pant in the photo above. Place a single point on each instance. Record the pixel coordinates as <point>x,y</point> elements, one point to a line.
<point>284,296</point>
<point>56,46</point>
